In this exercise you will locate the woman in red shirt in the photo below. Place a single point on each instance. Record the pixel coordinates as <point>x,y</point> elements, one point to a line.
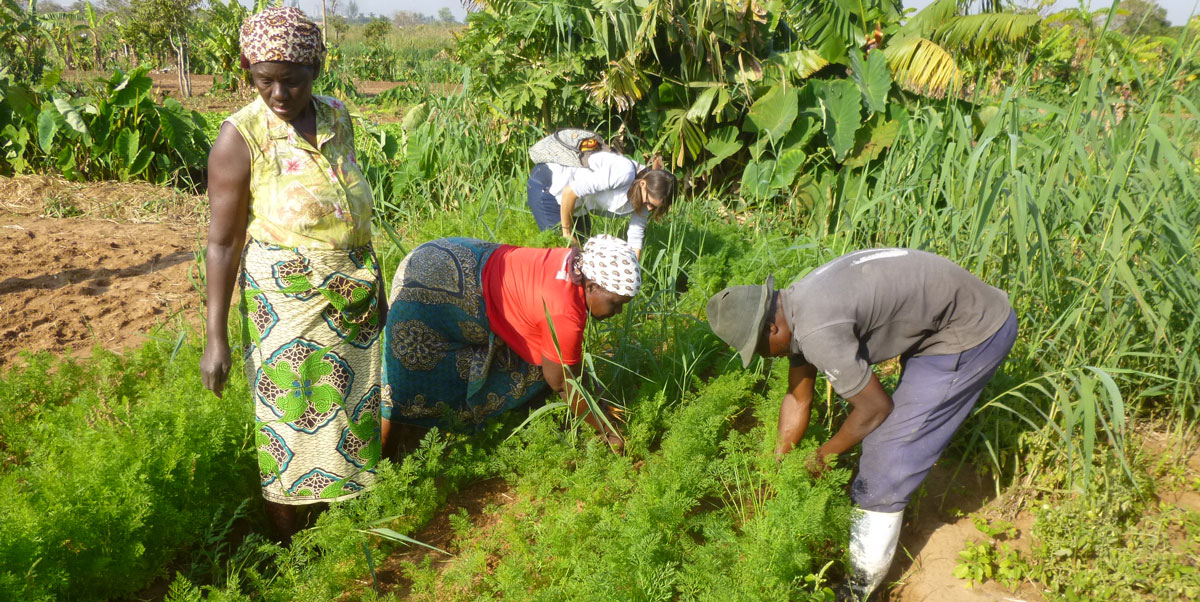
<point>477,328</point>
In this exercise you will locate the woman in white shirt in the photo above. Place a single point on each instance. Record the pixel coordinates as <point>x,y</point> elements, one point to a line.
<point>611,184</point>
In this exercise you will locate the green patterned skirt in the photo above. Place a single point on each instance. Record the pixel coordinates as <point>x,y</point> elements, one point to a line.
<point>443,365</point>
<point>311,325</point>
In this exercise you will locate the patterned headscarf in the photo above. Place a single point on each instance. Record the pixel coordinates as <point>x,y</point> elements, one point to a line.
<point>281,34</point>
<point>611,263</point>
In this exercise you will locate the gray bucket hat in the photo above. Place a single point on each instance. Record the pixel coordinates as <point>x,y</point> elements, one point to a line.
<point>738,315</point>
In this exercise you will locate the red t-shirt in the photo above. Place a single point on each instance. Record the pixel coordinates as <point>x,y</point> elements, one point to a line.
<point>520,287</point>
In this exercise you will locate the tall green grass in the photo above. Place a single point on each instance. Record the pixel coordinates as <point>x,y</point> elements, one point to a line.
<point>1089,223</point>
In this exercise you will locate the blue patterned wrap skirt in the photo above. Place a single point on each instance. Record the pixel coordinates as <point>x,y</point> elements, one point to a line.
<point>442,364</point>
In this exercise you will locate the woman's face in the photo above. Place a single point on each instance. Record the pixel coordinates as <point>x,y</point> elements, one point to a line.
<point>602,303</point>
<point>650,202</point>
<point>285,87</point>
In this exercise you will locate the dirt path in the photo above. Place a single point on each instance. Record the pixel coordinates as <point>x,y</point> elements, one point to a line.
<point>93,264</point>
<point>936,527</point>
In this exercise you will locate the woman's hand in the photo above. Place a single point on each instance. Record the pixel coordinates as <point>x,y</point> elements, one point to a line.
<point>616,442</point>
<point>214,367</point>
<point>566,214</point>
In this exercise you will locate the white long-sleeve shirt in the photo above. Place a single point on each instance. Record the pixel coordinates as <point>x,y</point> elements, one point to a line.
<point>602,187</point>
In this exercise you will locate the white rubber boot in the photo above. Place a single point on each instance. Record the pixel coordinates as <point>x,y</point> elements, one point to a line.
<point>873,537</point>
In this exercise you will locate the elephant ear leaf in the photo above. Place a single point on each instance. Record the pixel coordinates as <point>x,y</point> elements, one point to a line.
<point>840,112</point>
<point>881,137</point>
<point>773,113</point>
<point>873,78</point>
<point>47,127</point>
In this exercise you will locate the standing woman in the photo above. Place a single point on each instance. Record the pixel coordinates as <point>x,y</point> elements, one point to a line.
<point>291,221</point>
<point>478,328</point>
<point>563,196</point>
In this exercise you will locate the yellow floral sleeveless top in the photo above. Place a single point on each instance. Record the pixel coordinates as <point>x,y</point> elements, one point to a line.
<point>300,196</point>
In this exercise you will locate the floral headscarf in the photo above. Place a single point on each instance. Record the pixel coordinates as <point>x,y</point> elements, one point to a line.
<point>611,263</point>
<point>281,34</point>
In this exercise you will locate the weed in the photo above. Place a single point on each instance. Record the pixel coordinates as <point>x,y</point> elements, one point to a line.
<point>61,208</point>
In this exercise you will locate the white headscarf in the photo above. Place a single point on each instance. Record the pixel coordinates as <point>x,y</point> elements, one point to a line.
<point>611,263</point>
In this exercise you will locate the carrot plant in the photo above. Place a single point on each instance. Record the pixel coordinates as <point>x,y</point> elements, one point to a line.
<point>114,467</point>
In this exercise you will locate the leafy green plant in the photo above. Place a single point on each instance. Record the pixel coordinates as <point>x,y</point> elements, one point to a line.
<point>994,559</point>
<point>116,132</point>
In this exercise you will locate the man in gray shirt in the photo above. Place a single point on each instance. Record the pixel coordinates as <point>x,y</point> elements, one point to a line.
<point>949,329</point>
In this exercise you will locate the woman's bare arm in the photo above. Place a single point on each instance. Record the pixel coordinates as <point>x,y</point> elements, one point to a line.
<point>229,199</point>
<point>564,380</point>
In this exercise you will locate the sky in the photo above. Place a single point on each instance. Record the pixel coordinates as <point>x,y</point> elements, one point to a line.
<point>384,7</point>
<point>1178,11</point>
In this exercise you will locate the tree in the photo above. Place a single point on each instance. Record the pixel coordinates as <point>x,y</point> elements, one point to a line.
<point>919,52</point>
<point>23,40</point>
<point>219,33</point>
<point>157,25</point>
<point>376,30</point>
<point>405,18</point>
<point>94,22</point>
<point>1143,17</point>
<point>446,16</point>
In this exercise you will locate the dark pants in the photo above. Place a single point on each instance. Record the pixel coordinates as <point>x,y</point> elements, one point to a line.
<point>935,395</point>
<point>545,208</point>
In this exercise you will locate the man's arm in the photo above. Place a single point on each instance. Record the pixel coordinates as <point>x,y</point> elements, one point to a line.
<point>871,407</point>
<point>796,409</point>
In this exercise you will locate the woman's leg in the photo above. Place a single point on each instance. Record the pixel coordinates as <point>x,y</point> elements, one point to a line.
<point>289,519</point>
<point>541,203</point>
<point>283,521</point>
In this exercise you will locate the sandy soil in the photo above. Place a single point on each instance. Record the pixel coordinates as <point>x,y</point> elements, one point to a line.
<point>106,275</point>
<point>936,527</point>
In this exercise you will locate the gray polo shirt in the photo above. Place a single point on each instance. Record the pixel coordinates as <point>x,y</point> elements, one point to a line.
<point>872,305</point>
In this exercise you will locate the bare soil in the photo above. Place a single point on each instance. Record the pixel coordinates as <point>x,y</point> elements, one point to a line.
<point>93,264</point>
<point>937,525</point>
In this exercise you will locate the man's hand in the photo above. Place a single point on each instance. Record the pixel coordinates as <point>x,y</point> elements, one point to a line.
<point>816,465</point>
<point>871,407</point>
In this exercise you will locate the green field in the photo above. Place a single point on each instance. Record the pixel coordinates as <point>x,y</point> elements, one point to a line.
<point>1064,168</point>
